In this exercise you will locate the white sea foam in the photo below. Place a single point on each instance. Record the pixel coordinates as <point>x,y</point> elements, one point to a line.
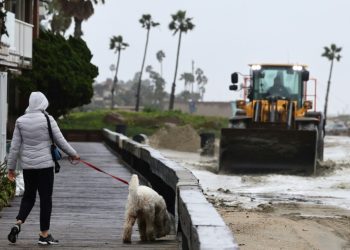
<point>251,190</point>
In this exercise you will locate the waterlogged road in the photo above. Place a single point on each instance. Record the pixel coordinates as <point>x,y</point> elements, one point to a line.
<point>273,211</point>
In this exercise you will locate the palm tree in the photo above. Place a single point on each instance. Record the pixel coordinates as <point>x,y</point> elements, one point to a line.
<point>160,55</point>
<point>147,23</point>
<point>331,53</point>
<point>202,87</point>
<point>80,10</point>
<point>118,45</point>
<point>188,78</point>
<point>201,80</point>
<point>60,22</point>
<point>159,84</point>
<point>179,23</point>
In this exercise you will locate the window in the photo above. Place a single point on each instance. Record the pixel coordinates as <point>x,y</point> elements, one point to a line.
<point>269,78</point>
<point>21,8</point>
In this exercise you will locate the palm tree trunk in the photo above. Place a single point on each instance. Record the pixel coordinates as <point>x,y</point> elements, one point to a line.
<point>77,28</point>
<point>327,93</point>
<point>172,95</point>
<point>140,79</point>
<point>115,80</point>
<point>161,69</point>
<point>192,83</point>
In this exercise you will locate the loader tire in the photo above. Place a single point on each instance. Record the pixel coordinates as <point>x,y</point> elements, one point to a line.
<point>321,133</point>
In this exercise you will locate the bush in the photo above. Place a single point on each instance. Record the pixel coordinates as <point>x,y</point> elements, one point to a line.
<point>146,122</point>
<point>7,188</point>
<point>62,70</point>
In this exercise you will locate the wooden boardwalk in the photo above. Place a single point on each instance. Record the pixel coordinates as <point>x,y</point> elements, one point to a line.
<point>88,208</point>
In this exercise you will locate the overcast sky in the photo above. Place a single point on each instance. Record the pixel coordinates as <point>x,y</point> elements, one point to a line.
<point>229,34</point>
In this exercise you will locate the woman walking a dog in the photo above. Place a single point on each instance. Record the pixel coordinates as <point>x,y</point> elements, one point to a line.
<point>31,145</point>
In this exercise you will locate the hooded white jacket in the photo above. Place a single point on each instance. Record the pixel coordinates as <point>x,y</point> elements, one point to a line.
<point>31,143</point>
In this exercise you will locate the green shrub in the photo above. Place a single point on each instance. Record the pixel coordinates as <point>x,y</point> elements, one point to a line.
<point>7,188</point>
<point>146,122</point>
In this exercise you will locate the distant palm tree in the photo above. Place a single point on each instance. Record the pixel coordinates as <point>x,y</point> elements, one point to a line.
<point>160,55</point>
<point>118,45</point>
<point>179,23</point>
<point>188,78</point>
<point>147,23</point>
<point>332,52</point>
<point>80,10</point>
<point>202,87</point>
<point>201,80</point>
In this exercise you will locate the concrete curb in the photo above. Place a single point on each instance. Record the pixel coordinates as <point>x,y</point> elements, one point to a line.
<point>199,223</point>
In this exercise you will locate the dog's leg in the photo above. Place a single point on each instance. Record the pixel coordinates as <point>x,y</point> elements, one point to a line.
<point>162,223</point>
<point>158,224</point>
<point>150,226</point>
<point>142,228</point>
<point>129,223</point>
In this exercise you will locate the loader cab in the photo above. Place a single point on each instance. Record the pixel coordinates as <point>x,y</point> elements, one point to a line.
<point>278,81</point>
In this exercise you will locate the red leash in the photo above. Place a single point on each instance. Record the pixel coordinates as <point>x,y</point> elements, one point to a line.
<point>100,170</point>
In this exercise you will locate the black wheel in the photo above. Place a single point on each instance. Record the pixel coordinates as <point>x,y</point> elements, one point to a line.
<point>321,133</point>
<point>242,123</point>
<point>238,123</point>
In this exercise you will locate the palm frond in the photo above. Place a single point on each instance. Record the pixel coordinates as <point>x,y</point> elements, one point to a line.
<point>148,68</point>
<point>112,44</point>
<point>190,26</point>
<point>172,26</point>
<point>181,15</point>
<point>147,17</point>
<point>183,27</point>
<point>96,1</point>
<point>119,39</point>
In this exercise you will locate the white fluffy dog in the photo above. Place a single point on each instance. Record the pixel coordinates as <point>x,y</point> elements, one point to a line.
<point>149,209</point>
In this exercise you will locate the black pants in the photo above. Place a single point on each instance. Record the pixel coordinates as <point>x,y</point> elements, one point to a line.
<point>40,180</point>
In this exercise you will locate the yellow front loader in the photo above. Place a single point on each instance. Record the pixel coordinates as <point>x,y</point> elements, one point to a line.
<point>274,128</point>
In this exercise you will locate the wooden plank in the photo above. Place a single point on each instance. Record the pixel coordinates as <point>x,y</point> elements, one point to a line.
<point>88,208</point>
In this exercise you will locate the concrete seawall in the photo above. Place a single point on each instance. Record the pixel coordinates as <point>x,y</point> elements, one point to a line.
<point>223,109</point>
<point>198,223</point>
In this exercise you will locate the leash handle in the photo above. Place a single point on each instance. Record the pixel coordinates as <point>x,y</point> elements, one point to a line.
<point>99,170</point>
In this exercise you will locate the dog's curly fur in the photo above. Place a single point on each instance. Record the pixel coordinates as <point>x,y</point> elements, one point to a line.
<point>149,209</point>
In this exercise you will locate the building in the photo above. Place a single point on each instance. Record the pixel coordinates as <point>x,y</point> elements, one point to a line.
<point>22,25</point>
<point>222,109</point>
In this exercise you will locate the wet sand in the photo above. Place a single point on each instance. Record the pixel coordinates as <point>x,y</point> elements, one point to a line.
<point>289,226</point>
<point>281,212</point>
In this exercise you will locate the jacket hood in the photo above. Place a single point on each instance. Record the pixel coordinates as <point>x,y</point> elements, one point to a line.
<point>37,102</point>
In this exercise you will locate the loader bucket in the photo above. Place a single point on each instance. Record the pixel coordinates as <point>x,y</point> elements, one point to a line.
<point>267,150</point>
